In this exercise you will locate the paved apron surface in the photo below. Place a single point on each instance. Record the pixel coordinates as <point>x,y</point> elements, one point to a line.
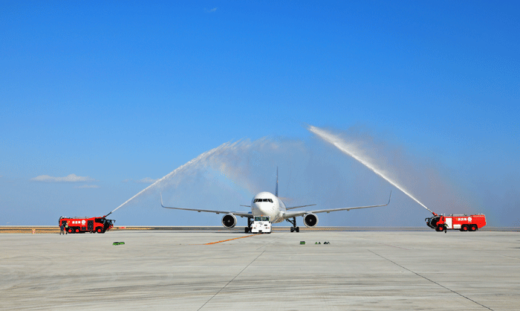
<point>176,270</point>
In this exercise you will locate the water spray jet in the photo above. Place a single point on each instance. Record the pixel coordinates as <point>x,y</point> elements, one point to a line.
<point>201,158</point>
<point>354,152</point>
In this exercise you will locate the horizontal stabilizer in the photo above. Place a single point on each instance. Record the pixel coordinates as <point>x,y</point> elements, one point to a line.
<point>293,207</point>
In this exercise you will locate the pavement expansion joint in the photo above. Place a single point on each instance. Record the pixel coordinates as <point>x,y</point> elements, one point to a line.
<point>232,280</point>
<point>422,276</point>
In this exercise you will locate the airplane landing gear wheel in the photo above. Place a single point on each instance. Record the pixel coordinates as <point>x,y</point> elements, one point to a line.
<point>246,230</point>
<point>293,223</point>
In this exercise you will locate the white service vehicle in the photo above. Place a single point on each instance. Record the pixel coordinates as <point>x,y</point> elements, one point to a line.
<point>261,224</point>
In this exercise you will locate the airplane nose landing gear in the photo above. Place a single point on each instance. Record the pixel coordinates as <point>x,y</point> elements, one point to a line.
<point>293,222</point>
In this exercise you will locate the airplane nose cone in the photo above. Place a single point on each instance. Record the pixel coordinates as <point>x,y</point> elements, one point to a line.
<point>265,208</point>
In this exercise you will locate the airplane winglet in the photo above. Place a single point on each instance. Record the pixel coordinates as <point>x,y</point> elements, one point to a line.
<point>389,198</point>
<point>162,201</point>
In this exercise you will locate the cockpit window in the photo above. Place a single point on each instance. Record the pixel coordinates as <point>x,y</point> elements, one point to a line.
<point>264,200</point>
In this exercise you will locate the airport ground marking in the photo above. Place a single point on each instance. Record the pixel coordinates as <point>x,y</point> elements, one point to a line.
<point>231,279</point>
<point>451,290</point>
<point>241,237</point>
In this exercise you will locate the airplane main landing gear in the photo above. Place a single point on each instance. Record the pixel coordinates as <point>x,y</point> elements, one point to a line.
<point>293,222</point>
<point>248,228</point>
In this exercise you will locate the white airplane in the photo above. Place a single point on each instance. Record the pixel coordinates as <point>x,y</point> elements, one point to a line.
<point>266,204</point>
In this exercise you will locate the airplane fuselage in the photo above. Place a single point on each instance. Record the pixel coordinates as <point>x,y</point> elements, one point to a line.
<point>267,204</point>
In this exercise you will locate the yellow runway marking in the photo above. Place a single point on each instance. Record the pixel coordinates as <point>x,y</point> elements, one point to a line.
<point>242,237</point>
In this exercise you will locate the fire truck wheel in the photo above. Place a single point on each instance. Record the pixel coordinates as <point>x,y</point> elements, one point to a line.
<point>98,230</point>
<point>473,228</point>
<point>440,228</point>
<point>464,228</point>
<point>77,230</point>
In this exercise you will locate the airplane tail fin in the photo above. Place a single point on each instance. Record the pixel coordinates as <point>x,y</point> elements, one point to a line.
<point>276,189</point>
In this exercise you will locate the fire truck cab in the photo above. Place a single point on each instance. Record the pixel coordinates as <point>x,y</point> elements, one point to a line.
<point>460,222</point>
<point>87,224</point>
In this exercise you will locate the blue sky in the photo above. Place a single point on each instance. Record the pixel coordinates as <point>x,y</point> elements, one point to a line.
<point>122,91</point>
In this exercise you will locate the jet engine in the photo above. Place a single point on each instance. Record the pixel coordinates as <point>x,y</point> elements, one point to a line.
<point>229,221</point>
<point>310,220</point>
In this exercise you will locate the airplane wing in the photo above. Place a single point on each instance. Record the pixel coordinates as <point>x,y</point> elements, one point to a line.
<point>293,207</point>
<point>241,214</point>
<point>301,213</point>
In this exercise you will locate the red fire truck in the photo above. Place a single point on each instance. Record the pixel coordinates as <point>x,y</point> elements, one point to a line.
<point>460,222</point>
<point>86,224</point>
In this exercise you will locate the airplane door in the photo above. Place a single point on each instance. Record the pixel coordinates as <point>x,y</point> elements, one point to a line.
<point>449,222</point>
<point>90,225</point>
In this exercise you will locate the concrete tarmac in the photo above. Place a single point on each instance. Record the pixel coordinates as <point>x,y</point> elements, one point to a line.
<point>176,270</point>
